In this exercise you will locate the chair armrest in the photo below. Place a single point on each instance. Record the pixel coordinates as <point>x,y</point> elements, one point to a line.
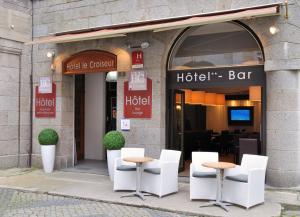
<point>152,164</point>
<point>168,169</point>
<point>256,176</point>
<point>118,162</point>
<point>234,171</point>
<point>192,168</point>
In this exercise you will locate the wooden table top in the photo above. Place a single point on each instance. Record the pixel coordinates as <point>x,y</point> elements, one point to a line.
<point>137,159</point>
<point>219,165</point>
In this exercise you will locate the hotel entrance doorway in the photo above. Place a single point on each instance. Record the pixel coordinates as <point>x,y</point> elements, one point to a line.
<point>216,93</point>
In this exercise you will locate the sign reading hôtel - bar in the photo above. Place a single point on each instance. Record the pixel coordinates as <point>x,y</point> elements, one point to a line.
<point>138,103</point>
<point>45,103</point>
<point>90,61</point>
<point>209,77</point>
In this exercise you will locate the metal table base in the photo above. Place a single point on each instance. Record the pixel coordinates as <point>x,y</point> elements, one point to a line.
<point>218,202</point>
<point>215,203</point>
<point>138,192</point>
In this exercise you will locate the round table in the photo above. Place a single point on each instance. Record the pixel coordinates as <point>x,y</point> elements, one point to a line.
<point>138,161</point>
<point>220,167</point>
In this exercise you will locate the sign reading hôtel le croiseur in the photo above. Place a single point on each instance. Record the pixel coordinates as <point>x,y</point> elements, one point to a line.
<point>138,103</point>
<point>90,61</point>
<point>45,103</point>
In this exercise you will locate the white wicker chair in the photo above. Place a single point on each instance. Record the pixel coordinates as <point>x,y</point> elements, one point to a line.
<point>160,177</point>
<point>245,185</point>
<point>125,172</point>
<point>203,181</point>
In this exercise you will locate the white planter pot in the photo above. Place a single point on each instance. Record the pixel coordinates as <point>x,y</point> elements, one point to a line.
<point>48,157</point>
<point>111,156</point>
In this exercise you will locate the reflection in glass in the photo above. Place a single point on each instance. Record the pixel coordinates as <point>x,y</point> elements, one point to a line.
<point>216,45</point>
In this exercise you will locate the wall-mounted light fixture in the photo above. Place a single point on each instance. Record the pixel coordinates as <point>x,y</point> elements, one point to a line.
<point>112,76</point>
<point>273,30</point>
<point>51,54</point>
<point>143,45</point>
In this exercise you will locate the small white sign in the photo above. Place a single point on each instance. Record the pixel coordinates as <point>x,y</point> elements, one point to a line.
<point>138,66</point>
<point>125,124</point>
<point>137,80</point>
<point>45,85</point>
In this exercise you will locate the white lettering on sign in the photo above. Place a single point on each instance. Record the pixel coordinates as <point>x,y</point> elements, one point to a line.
<point>232,75</point>
<point>44,102</point>
<point>73,66</point>
<point>193,77</point>
<point>92,65</point>
<point>189,77</point>
<point>101,64</point>
<point>138,56</point>
<point>137,100</point>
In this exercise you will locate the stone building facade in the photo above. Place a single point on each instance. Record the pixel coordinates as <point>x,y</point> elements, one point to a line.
<point>282,68</point>
<point>15,88</point>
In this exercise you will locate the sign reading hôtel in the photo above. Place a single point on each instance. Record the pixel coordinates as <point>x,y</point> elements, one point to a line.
<point>227,76</point>
<point>45,103</point>
<point>138,103</point>
<point>90,61</point>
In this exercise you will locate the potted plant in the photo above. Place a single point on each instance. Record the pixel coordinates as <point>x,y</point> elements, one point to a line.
<point>113,141</point>
<point>48,139</point>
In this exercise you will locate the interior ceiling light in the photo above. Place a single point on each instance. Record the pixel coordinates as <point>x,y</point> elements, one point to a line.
<point>198,97</point>
<point>220,99</point>
<point>210,99</point>
<point>255,93</point>
<point>188,96</point>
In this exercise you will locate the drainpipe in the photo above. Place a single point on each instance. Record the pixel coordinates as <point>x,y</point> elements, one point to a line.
<point>31,94</point>
<point>19,111</point>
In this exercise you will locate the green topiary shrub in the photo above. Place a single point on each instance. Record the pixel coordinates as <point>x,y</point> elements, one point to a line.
<point>113,140</point>
<point>48,137</point>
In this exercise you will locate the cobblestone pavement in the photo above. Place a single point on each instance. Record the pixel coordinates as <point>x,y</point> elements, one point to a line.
<point>22,204</point>
<point>290,211</point>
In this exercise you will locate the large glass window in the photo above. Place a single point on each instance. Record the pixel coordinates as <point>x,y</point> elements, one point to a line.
<point>215,45</point>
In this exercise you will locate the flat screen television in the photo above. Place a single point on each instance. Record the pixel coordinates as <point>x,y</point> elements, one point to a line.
<point>241,115</point>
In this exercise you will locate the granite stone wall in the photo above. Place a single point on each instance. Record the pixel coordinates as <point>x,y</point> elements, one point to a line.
<point>282,65</point>
<point>15,89</point>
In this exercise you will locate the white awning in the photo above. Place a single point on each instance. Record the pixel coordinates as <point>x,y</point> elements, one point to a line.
<point>159,25</point>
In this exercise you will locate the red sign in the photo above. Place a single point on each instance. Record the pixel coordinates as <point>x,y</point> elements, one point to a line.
<point>137,59</point>
<point>45,103</point>
<point>90,61</point>
<point>138,103</point>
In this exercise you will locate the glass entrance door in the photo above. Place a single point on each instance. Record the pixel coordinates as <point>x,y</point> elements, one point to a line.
<point>176,141</point>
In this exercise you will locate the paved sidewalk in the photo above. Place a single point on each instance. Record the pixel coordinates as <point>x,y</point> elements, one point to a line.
<point>98,187</point>
<point>15,203</point>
